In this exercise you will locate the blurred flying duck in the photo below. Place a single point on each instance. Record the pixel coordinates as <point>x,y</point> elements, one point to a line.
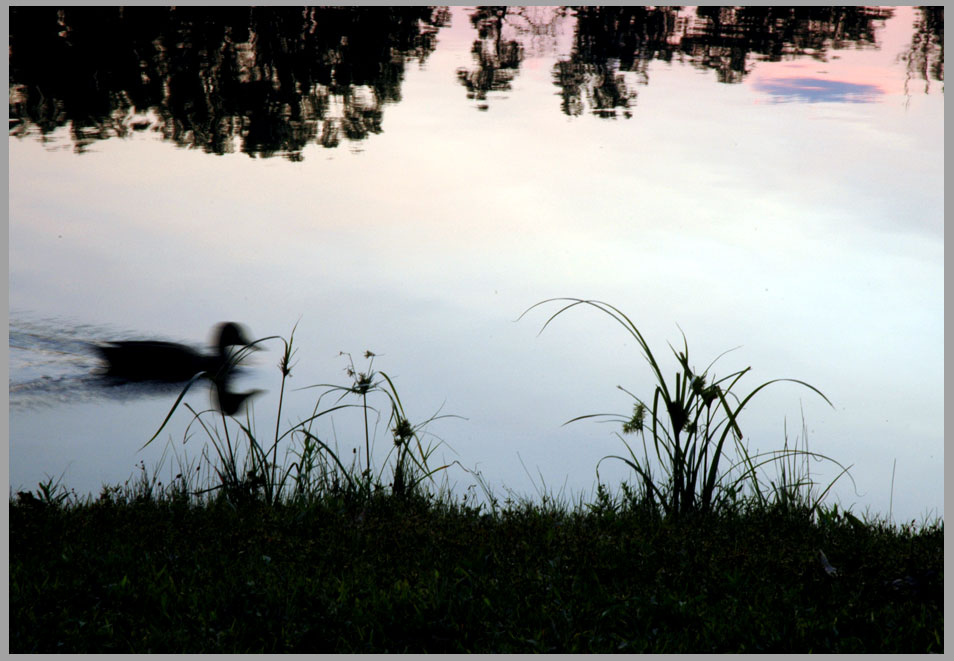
<point>168,361</point>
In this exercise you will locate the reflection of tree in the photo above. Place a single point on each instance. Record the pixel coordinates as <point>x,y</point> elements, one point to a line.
<point>270,79</point>
<point>610,41</point>
<point>723,38</point>
<point>497,59</point>
<point>925,56</point>
<point>504,34</point>
<point>614,45</point>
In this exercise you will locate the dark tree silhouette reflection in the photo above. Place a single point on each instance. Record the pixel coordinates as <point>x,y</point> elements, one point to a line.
<point>610,41</point>
<point>270,81</point>
<point>613,46</point>
<point>503,35</point>
<point>925,56</point>
<point>263,80</point>
<point>721,38</point>
<point>497,59</point>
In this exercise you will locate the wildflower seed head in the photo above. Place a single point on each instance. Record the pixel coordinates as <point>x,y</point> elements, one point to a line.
<point>285,363</point>
<point>362,383</point>
<point>710,394</point>
<point>402,432</point>
<point>635,423</point>
<point>698,385</point>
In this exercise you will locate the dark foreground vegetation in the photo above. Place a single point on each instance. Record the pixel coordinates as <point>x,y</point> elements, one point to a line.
<point>127,573</point>
<point>250,552</point>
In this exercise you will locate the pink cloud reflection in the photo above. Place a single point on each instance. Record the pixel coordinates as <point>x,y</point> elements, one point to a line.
<point>846,75</point>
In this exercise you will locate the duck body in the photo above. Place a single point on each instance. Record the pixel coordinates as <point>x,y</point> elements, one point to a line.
<point>155,361</point>
<point>168,361</point>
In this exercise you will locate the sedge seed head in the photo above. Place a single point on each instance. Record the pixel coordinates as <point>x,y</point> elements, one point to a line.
<point>635,423</point>
<point>698,385</point>
<point>402,432</point>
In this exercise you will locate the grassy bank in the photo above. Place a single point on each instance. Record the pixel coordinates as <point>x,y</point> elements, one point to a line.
<point>253,549</point>
<point>127,573</point>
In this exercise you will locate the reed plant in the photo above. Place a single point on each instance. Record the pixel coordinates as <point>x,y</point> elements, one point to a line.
<point>690,421</point>
<point>246,465</point>
<point>410,451</point>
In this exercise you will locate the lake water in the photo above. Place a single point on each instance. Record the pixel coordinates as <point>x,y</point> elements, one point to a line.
<point>410,183</point>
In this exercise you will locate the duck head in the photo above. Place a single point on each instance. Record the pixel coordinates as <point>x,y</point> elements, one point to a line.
<point>232,334</point>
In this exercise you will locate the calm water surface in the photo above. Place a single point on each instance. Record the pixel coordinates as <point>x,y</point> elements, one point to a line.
<point>778,191</point>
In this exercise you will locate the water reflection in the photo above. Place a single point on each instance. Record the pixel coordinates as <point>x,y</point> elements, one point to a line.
<point>816,90</point>
<point>270,81</point>
<point>614,45</point>
<point>925,57</point>
<point>721,38</point>
<point>497,59</point>
<point>426,246</point>
<point>612,49</point>
<point>505,36</point>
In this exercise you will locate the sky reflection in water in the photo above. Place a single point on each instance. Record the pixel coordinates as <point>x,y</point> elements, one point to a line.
<point>809,233</point>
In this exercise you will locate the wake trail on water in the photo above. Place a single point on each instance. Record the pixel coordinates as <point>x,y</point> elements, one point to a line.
<point>53,362</point>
